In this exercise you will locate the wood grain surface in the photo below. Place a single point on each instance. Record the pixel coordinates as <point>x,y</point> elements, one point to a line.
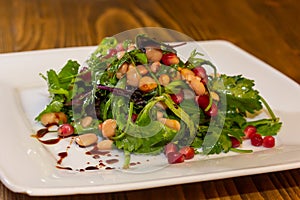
<point>268,29</point>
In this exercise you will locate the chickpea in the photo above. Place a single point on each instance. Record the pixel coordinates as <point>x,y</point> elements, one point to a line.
<point>153,54</point>
<point>171,123</point>
<point>105,145</point>
<point>122,70</point>
<point>164,79</point>
<point>214,96</point>
<point>197,86</point>
<point>161,105</point>
<point>53,118</point>
<point>187,74</point>
<point>109,127</point>
<point>142,69</point>
<point>147,84</point>
<point>155,66</point>
<point>86,140</point>
<point>159,115</point>
<point>86,121</point>
<point>133,77</point>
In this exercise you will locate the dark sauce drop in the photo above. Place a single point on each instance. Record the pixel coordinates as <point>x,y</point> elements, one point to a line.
<point>41,133</point>
<point>96,151</point>
<point>112,161</point>
<point>65,168</point>
<point>96,156</point>
<point>102,165</point>
<point>50,141</point>
<point>62,155</point>
<point>91,168</point>
<point>109,168</point>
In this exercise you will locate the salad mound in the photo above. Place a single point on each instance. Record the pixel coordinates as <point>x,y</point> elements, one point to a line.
<point>141,97</point>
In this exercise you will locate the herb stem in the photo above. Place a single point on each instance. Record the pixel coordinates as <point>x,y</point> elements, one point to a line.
<point>241,150</point>
<point>126,159</point>
<point>268,108</point>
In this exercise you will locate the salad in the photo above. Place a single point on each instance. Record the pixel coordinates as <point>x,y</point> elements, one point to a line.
<point>140,97</point>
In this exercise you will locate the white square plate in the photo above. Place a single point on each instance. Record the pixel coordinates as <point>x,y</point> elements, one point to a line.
<point>26,166</point>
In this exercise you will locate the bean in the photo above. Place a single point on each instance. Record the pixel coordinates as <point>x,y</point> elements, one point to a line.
<point>122,70</point>
<point>53,118</point>
<point>159,115</point>
<point>153,54</point>
<point>161,105</point>
<point>147,84</point>
<point>164,79</point>
<point>215,96</point>
<point>171,123</point>
<point>109,128</point>
<point>187,74</point>
<point>86,140</point>
<point>133,77</point>
<point>155,66</point>
<point>86,121</point>
<point>142,69</point>
<point>105,145</point>
<point>197,86</point>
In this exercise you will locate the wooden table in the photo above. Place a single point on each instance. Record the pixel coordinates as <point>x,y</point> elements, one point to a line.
<point>269,29</point>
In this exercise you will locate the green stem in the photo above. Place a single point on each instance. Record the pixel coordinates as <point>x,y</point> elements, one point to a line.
<point>126,159</point>
<point>209,104</point>
<point>241,150</point>
<point>268,108</point>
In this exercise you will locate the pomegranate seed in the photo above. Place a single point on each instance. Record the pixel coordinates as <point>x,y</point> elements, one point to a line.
<point>170,147</point>
<point>268,141</point>
<point>213,111</point>
<point>177,98</point>
<point>203,101</point>
<point>256,139</point>
<point>249,131</point>
<point>188,152</point>
<point>65,130</point>
<point>200,72</point>
<point>134,117</point>
<point>170,59</point>
<point>234,142</point>
<point>175,157</point>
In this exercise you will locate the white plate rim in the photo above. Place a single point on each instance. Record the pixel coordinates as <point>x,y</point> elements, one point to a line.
<point>210,47</point>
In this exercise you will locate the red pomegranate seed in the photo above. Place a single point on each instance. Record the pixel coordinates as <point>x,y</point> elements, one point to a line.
<point>200,72</point>
<point>65,130</point>
<point>170,147</point>
<point>234,142</point>
<point>170,59</point>
<point>268,141</point>
<point>175,157</point>
<point>249,131</point>
<point>177,98</point>
<point>188,152</point>
<point>203,101</point>
<point>256,139</point>
<point>213,111</point>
